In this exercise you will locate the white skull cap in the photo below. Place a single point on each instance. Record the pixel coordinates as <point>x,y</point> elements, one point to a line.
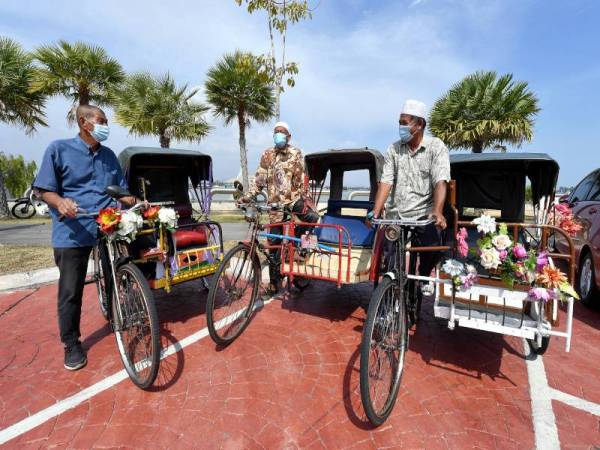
<point>282,125</point>
<point>414,108</point>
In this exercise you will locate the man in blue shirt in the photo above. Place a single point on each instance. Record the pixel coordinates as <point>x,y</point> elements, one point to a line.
<point>74,174</point>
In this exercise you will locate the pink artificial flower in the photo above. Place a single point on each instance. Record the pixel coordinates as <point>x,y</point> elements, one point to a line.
<point>463,247</point>
<point>562,208</point>
<point>503,255</point>
<point>519,251</point>
<point>538,293</point>
<point>468,280</point>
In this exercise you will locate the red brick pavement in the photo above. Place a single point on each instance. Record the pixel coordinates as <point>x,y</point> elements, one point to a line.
<point>290,381</point>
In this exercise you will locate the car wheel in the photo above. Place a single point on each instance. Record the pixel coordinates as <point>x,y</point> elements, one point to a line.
<point>586,282</point>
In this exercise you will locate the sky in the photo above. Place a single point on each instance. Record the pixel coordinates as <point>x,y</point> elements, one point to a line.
<point>358,59</point>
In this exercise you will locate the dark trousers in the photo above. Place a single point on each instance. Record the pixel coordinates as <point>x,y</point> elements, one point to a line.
<point>72,265</point>
<point>426,236</point>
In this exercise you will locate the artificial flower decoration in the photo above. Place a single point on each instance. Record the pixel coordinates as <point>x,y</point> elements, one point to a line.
<point>490,258</point>
<point>151,213</point>
<point>562,216</point>
<point>551,277</point>
<point>485,224</point>
<point>461,242</point>
<point>463,277</point>
<point>168,218</point>
<point>131,223</point>
<point>108,219</point>
<point>509,260</point>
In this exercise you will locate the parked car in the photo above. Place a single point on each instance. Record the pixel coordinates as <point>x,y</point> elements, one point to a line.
<point>584,201</point>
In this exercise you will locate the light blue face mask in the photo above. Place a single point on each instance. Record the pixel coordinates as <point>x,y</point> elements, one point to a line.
<point>100,132</point>
<point>280,140</point>
<point>405,134</point>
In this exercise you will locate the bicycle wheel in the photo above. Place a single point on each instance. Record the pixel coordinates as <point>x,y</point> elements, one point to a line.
<point>539,349</point>
<point>23,210</point>
<point>232,295</point>
<point>135,323</point>
<point>101,283</point>
<point>382,350</point>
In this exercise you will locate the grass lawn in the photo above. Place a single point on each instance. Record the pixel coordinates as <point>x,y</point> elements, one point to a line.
<point>33,221</point>
<point>23,258</point>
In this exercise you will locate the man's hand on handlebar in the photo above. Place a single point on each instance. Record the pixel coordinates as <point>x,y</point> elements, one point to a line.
<point>67,207</point>
<point>440,220</point>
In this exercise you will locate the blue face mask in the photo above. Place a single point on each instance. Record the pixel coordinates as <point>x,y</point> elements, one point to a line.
<point>280,140</point>
<point>405,134</point>
<point>100,132</point>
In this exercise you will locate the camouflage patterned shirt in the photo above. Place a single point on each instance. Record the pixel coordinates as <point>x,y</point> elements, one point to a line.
<point>281,172</point>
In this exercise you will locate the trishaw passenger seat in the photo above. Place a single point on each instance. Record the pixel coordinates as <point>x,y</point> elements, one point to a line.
<point>189,237</point>
<point>360,234</point>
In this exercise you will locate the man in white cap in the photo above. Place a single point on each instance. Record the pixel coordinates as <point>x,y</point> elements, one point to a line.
<point>281,172</point>
<point>416,172</point>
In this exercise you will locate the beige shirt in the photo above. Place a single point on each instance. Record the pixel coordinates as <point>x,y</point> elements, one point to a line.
<point>413,176</point>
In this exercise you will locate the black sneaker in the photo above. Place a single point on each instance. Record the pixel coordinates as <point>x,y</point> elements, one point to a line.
<point>75,358</point>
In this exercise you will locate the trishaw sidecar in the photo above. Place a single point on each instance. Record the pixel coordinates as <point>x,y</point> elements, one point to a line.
<point>193,247</point>
<point>342,244</point>
<point>495,184</point>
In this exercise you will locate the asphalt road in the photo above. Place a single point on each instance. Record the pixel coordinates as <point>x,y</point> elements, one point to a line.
<point>39,234</point>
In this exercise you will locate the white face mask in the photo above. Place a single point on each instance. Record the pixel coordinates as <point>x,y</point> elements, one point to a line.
<point>100,132</point>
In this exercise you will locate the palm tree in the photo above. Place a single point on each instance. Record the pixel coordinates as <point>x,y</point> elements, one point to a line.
<point>80,72</point>
<point>483,111</point>
<point>18,105</point>
<point>151,106</point>
<point>236,89</point>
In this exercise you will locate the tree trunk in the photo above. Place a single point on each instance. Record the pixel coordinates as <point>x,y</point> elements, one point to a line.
<point>84,96</point>
<point>275,82</point>
<point>477,147</point>
<point>164,141</point>
<point>4,211</point>
<point>243,152</point>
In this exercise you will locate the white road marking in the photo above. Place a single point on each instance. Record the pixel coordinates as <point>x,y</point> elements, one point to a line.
<point>544,422</point>
<point>60,407</point>
<point>575,402</point>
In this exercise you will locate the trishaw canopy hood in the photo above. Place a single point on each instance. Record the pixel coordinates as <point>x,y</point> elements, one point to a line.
<point>497,180</point>
<point>197,165</point>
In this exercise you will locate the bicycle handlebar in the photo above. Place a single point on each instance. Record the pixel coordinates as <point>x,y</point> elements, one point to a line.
<point>404,222</point>
<point>83,213</point>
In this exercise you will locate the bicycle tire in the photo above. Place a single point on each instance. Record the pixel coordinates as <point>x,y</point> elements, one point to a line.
<point>100,282</point>
<point>225,333</point>
<point>23,210</point>
<point>134,317</point>
<point>387,312</point>
<point>539,349</point>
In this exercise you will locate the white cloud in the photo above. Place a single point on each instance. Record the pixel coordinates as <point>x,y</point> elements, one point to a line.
<point>353,77</point>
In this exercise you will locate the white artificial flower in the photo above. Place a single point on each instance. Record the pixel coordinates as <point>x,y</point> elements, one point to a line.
<point>453,267</point>
<point>129,225</point>
<point>490,258</point>
<point>168,217</point>
<point>485,224</point>
<point>471,268</point>
<point>501,242</point>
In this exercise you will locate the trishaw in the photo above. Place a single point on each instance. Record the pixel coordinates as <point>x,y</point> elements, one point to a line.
<point>156,248</point>
<point>342,249</point>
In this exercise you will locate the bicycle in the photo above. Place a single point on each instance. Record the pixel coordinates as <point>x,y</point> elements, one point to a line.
<point>126,301</point>
<point>235,285</point>
<point>392,311</point>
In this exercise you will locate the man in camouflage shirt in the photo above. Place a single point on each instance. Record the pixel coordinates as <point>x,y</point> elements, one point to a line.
<point>281,174</point>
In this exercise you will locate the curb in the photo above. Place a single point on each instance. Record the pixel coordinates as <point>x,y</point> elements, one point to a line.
<point>33,278</point>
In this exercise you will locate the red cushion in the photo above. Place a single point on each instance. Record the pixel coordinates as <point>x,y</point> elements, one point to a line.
<point>188,237</point>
